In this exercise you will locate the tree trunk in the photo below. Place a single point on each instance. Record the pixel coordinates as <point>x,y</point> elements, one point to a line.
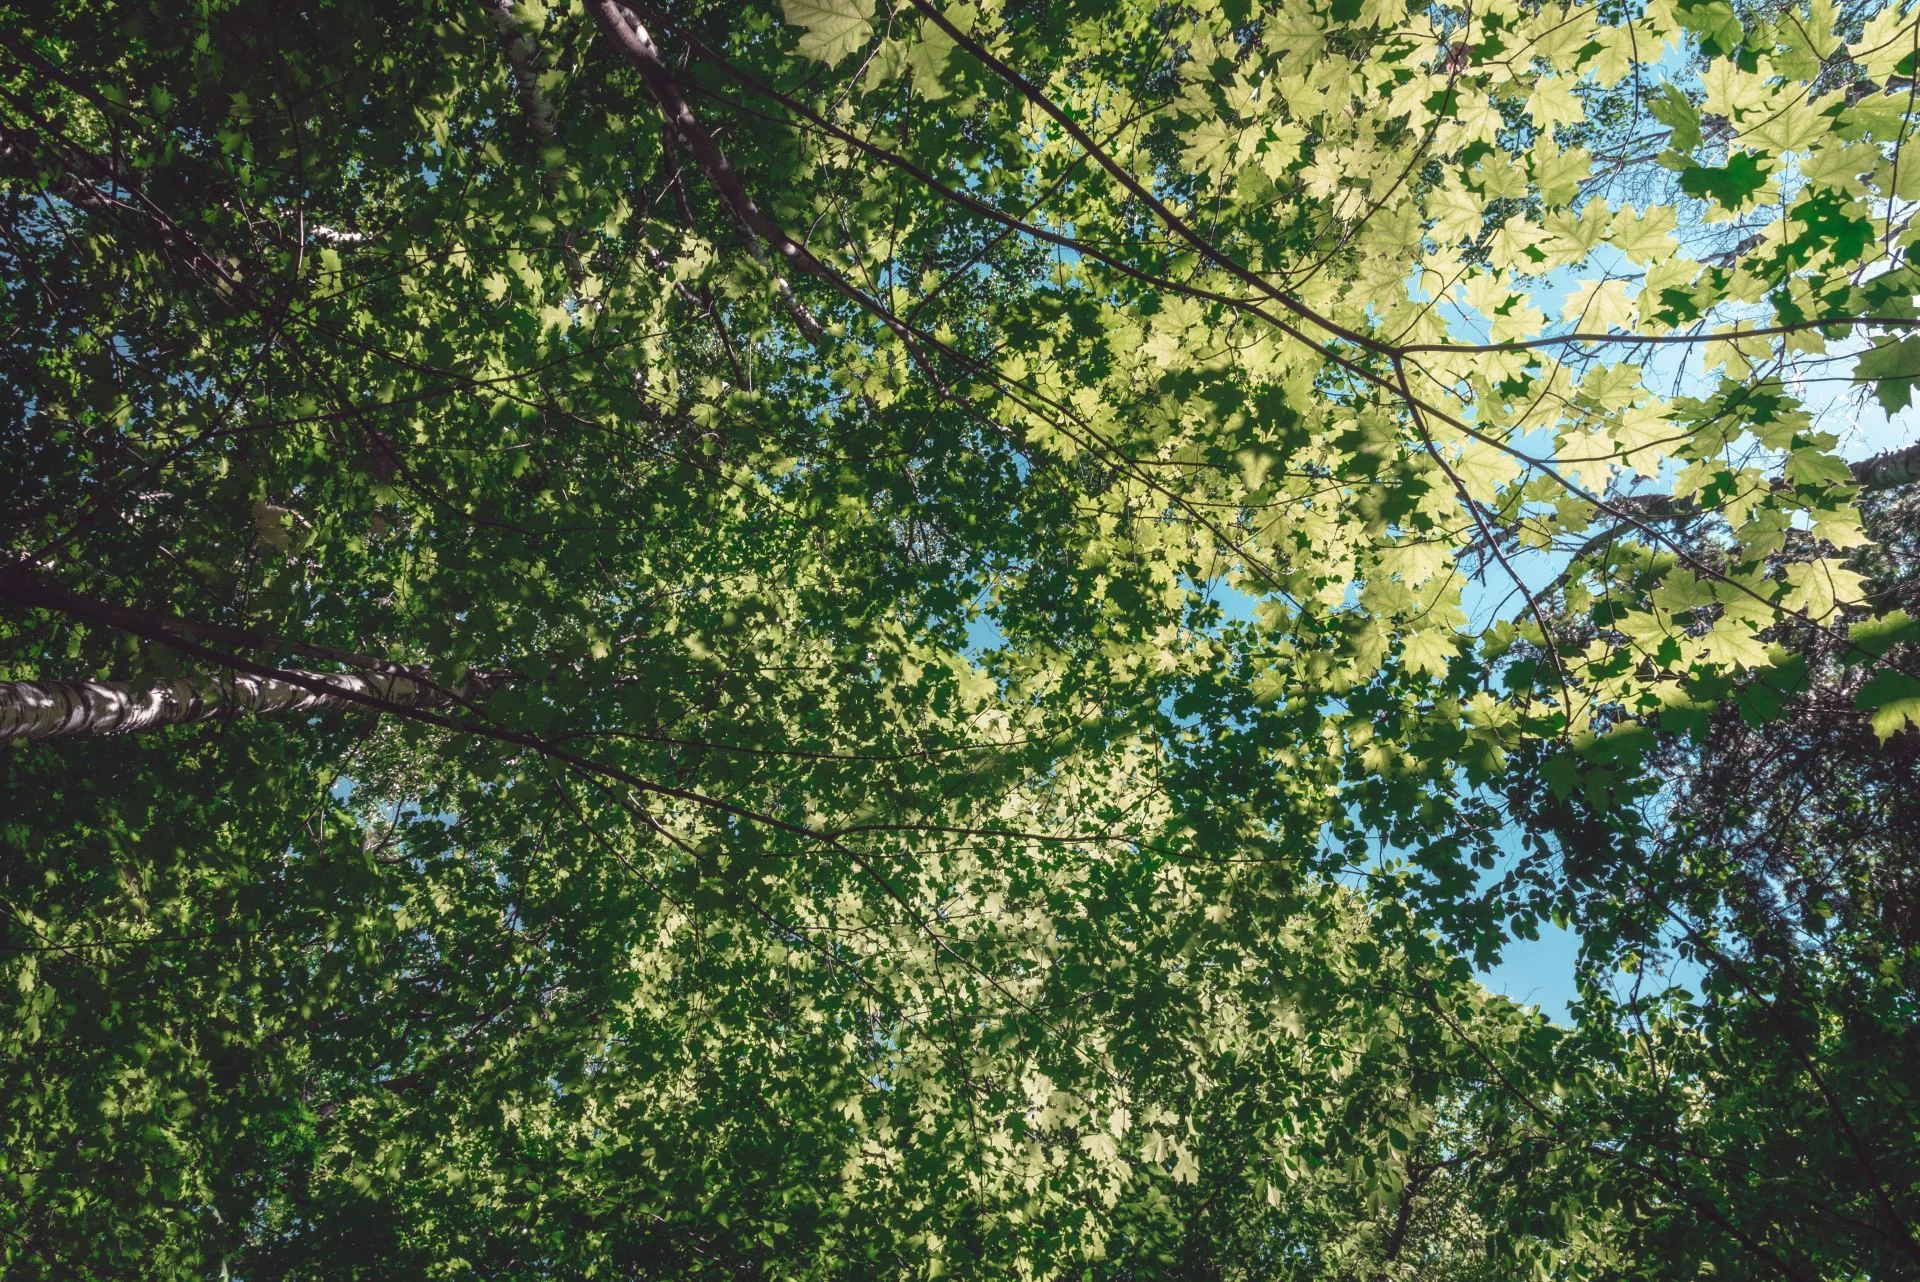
<point>46,709</point>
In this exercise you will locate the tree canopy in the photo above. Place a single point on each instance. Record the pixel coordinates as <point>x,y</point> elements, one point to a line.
<point>888,638</point>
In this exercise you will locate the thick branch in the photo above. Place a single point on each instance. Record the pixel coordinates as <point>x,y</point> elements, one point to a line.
<point>50,709</point>
<point>1884,471</point>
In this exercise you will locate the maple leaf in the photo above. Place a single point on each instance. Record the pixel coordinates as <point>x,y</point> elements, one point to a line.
<point>1589,455</point>
<point>831,29</point>
<point>1891,367</point>
<point>1727,185</point>
<point>1483,469</point>
<point>1597,305</point>
<point>1645,238</point>
<point>1457,213</point>
<point>1645,434</point>
<point>1893,701</point>
<point>1732,643</point>
<point>1429,651</point>
<point>1819,587</point>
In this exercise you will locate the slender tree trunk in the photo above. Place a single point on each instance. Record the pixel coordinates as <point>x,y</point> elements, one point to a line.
<point>47,709</point>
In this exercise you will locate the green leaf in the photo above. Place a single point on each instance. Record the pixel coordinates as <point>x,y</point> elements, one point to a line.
<point>832,29</point>
<point>1022,784</point>
<point>1730,184</point>
<point>1715,21</point>
<point>1891,366</point>
<point>1429,651</point>
<point>1893,699</point>
<point>1875,638</point>
<point>1672,108</point>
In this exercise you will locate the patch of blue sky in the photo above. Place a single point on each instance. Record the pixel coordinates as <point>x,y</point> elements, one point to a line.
<point>1538,972</point>
<point>983,636</point>
<point>1541,971</point>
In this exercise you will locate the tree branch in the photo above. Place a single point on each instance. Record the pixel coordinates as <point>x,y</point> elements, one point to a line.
<point>634,42</point>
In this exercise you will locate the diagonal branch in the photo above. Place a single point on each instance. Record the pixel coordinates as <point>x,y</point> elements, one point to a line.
<point>1178,225</point>
<point>636,45</point>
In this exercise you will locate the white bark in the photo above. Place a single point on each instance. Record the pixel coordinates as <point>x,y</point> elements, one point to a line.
<point>523,61</point>
<point>321,234</point>
<point>46,709</point>
<point>1884,471</point>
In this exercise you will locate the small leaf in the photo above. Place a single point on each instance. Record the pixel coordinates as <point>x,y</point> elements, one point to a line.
<point>1428,651</point>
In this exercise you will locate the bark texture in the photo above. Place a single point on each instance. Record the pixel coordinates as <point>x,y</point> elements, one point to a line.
<point>1884,471</point>
<point>523,60</point>
<point>49,709</point>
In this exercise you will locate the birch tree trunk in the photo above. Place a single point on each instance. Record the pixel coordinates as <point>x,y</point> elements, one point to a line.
<point>47,709</point>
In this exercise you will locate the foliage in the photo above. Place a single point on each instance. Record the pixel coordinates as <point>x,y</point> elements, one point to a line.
<point>987,527</point>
